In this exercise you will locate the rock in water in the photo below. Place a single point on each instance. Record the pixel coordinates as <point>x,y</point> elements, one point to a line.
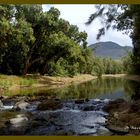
<point>21,105</point>
<point>79,101</point>
<point>17,125</point>
<point>118,130</point>
<point>89,108</point>
<point>50,104</point>
<point>102,131</point>
<point>1,104</point>
<point>116,105</point>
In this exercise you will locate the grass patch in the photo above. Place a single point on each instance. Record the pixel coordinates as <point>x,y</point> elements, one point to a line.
<point>7,81</point>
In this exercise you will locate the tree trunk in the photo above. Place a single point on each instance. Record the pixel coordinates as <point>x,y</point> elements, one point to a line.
<point>44,69</point>
<point>25,70</point>
<point>28,63</point>
<point>136,44</point>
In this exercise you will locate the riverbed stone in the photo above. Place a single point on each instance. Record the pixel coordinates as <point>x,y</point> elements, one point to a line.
<point>102,131</point>
<point>87,131</point>
<point>88,108</point>
<point>17,125</point>
<point>116,105</point>
<point>21,105</point>
<point>118,129</point>
<point>135,106</point>
<point>124,117</point>
<point>51,104</point>
<point>1,104</point>
<point>79,101</point>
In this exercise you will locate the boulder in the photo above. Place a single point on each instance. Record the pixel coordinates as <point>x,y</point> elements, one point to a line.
<point>50,104</point>
<point>118,129</point>
<point>116,106</point>
<point>17,125</point>
<point>88,108</point>
<point>135,107</point>
<point>79,101</point>
<point>21,105</point>
<point>1,104</point>
<point>102,131</point>
<point>18,120</point>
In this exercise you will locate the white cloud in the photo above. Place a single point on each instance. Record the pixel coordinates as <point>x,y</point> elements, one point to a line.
<point>78,14</point>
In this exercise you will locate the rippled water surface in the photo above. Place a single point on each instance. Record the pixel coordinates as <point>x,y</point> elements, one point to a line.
<point>73,118</point>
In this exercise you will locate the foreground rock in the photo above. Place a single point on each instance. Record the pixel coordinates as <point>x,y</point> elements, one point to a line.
<point>124,117</point>
<point>17,125</point>
<point>116,106</point>
<point>50,105</point>
<point>118,129</point>
<point>14,123</point>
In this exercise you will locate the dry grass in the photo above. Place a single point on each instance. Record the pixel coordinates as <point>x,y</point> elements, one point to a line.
<point>114,75</point>
<point>12,83</point>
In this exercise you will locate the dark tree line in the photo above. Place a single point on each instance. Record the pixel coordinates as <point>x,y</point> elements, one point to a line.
<point>33,41</point>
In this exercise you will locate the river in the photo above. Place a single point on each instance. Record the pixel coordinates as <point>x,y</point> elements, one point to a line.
<point>78,108</point>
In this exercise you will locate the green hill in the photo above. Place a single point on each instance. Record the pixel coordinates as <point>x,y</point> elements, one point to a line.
<point>110,49</point>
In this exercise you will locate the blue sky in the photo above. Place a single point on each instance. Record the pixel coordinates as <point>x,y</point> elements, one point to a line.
<point>78,14</point>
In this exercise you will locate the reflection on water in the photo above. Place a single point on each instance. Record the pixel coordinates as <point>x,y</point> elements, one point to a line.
<point>133,89</point>
<point>111,88</point>
<point>73,118</point>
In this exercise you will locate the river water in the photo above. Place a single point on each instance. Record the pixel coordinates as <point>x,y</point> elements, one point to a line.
<point>81,113</point>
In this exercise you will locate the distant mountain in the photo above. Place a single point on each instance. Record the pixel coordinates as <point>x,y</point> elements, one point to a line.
<point>110,49</point>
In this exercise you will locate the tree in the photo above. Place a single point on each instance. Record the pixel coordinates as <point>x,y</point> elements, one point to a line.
<point>123,18</point>
<point>35,41</point>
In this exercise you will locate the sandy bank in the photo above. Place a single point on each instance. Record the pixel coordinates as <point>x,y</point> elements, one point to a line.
<point>49,82</point>
<point>53,82</point>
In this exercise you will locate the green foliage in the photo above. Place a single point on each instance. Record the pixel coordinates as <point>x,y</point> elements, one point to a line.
<point>33,41</point>
<point>107,66</point>
<point>128,63</point>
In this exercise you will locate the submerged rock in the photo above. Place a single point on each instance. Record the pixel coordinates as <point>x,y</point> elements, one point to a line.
<point>79,101</point>
<point>87,131</point>
<point>50,105</point>
<point>88,108</point>
<point>64,133</point>
<point>102,131</point>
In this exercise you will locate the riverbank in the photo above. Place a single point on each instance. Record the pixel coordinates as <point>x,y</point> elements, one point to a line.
<point>124,117</point>
<point>112,114</point>
<point>13,83</point>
